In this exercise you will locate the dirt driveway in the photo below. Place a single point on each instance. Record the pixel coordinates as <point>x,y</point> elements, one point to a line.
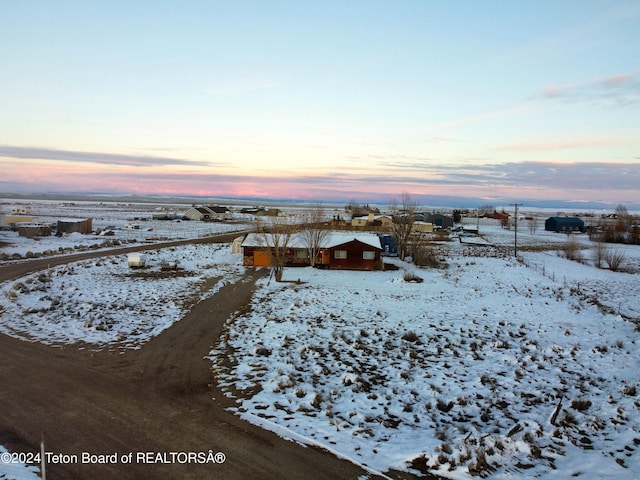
<point>157,403</point>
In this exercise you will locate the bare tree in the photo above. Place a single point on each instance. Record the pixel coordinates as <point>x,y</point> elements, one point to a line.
<point>599,250</point>
<point>423,253</point>
<point>314,231</point>
<point>276,233</point>
<point>403,217</point>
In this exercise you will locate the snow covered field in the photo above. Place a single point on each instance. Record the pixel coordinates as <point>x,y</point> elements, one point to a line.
<point>103,302</point>
<point>126,223</point>
<point>459,374</point>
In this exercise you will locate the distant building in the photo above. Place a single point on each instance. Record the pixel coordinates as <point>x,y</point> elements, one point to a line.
<point>564,224</point>
<point>32,230</point>
<point>439,220</point>
<point>372,220</point>
<point>208,213</point>
<point>74,225</point>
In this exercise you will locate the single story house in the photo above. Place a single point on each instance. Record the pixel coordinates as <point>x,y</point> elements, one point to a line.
<point>208,213</point>
<point>339,250</point>
<point>372,220</point>
<point>564,224</point>
<point>15,219</point>
<point>74,225</point>
<point>422,227</point>
<point>348,251</point>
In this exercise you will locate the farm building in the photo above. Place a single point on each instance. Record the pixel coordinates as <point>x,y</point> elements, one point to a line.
<point>32,230</point>
<point>564,224</point>
<point>74,225</point>
<point>338,251</point>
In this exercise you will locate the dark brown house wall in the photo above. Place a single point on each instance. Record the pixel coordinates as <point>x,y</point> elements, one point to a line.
<point>354,260</point>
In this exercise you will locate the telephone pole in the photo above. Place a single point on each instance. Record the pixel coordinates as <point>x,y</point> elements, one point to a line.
<point>515,243</point>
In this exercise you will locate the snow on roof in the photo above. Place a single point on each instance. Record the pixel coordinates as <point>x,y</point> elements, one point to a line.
<point>332,240</point>
<point>340,238</point>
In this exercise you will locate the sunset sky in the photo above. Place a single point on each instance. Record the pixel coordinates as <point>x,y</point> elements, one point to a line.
<point>487,101</point>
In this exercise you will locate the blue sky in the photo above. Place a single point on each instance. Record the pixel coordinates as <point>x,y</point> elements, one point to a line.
<point>493,101</point>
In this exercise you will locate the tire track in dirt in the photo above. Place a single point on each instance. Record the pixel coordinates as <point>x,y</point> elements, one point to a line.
<point>155,399</point>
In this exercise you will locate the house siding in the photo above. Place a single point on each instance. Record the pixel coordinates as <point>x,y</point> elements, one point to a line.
<point>354,259</point>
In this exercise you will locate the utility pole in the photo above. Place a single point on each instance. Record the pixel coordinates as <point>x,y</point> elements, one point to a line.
<point>515,243</point>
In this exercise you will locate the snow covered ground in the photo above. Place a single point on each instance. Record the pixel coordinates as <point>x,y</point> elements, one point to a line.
<point>457,375</point>
<point>126,223</point>
<point>460,373</point>
<point>104,302</point>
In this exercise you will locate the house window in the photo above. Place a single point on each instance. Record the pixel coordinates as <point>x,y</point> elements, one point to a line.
<point>340,254</point>
<point>368,255</point>
<point>302,253</point>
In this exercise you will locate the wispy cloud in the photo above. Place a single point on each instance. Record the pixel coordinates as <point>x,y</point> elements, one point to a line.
<point>615,90</point>
<point>597,181</point>
<point>482,117</point>
<point>50,154</point>
<point>560,144</point>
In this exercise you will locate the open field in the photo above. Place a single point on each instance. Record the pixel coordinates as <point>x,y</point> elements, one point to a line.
<point>492,366</point>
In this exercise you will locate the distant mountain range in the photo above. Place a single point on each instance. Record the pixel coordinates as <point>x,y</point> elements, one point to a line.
<point>441,201</point>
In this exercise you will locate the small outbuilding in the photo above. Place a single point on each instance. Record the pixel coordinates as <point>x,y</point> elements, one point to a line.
<point>564,224</point>
<point>74,225</point>
<point>31,230</point>
<point>389,246</point>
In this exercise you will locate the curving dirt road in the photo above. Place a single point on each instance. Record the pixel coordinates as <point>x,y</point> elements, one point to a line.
<point>159,399</point>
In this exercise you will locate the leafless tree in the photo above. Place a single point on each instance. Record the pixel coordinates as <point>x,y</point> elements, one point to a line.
<point>276,233</point>
<point>423,252</point>
<point>314,231</point>
<point>404,214</point>
<point>599,250</point>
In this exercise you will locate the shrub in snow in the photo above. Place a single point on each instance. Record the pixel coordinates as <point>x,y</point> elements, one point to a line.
<point>614,258</point>
<point>411,277</point>
<point>263,351</point>
<point>411,336</point>
<point>580,405</point>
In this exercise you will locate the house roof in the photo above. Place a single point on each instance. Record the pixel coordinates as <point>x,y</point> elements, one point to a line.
<point>568,220</point>
<point>217,208</point>
<point>333,239</point>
